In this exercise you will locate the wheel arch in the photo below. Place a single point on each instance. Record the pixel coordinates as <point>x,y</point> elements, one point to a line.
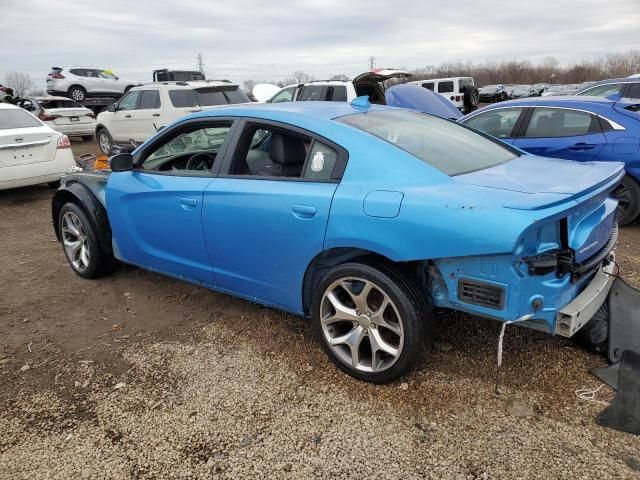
<point>75,85</point>
<point>415,271</point>
<point>81,195</point>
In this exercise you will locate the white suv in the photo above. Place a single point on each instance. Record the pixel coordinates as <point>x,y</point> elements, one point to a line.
<point>79,83</point>
<point>461,91</point>
<point>146,109</point>
<point>368,83</point>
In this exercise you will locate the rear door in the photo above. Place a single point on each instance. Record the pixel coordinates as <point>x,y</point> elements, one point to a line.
<point>501,123</point>
<point>146,117</point>
<point>265,215</point>
<point>561,133</point>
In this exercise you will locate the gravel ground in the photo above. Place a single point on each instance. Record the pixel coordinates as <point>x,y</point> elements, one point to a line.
<point>141,376</point>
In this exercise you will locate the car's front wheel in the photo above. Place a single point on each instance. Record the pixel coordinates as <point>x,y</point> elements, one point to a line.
<point>628,196</point>
<point>371,321</point>
<point>80,243</point>
<point>105,142</point>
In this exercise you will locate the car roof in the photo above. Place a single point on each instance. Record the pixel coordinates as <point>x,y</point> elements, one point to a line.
<point>189,84</point>
<point>51,97</point>
<point>8,106</point>
<point>559,100</point>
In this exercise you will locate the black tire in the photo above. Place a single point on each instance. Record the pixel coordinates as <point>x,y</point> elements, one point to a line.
<point>99,263</point>
<point>628,196</point>
<point>77,93</point>
<point>415,315</point>
<point>594,336</point>
<point>105,141</point>
<point>54,185</point>
<point>87,138</point>
<point>471,97</point>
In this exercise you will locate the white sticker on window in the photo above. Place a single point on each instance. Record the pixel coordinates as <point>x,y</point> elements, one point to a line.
<point>317,162</point>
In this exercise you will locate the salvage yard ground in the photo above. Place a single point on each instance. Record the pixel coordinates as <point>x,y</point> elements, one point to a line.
<point>141,376</point>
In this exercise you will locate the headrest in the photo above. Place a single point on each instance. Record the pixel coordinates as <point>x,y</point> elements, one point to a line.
<point>287,150</point>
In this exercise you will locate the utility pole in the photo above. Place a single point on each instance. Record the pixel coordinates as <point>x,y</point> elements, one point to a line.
<point>371,63</point>
<point>200,64</point>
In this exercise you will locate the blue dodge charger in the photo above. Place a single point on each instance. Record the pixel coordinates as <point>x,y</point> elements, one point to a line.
<point>362,217</point>
<point>574,128</point>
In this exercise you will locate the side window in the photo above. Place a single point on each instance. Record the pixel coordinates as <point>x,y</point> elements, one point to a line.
<point>193,150</point>
<point>285,95</point>
<point>556,122</point>
<point>428,85</point>
<point>81,72</point>
<point>184,98</point>
<point>633,91</point>
<point>499,123</point>
<point>129,101</point>
<point>311,93</point>
<point>322,160</point>
<point>445,87</point>
<point>337,93</point>
<point>603,90</point>
<point>149,99</point>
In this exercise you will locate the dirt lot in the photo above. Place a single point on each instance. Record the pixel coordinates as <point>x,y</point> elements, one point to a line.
<point>141,376</point>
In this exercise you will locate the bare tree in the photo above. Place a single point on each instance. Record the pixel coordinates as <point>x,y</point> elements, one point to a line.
<point>301,77</point>
<point>340,76</point>
<point>21,83</point>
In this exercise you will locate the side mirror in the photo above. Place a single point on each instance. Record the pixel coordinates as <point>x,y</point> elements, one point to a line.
<point>111,107</point>
<point>122,162</point>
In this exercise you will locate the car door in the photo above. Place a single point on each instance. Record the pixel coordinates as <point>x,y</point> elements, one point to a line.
<point>122,124</point>
<point>265,215</point>
<point>562,133</point>
<point>155,210</point>
<point>146,117</point>
<point>501,123</point>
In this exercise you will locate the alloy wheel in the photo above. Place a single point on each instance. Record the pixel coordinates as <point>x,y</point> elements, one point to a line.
<point>104,142</point>
<point>361,324</point>
<point>75,241</point>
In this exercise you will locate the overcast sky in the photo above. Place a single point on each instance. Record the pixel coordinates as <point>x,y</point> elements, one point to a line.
<point>246,39</point>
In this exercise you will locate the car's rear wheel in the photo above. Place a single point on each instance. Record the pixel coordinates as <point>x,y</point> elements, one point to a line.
<point>628,196</point>
<point>77,93</point>
<point>105,142</point>
<point>80,243</point>
<point>371,321</point>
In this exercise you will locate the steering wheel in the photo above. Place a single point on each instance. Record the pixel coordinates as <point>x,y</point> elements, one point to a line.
<point>200,161</point>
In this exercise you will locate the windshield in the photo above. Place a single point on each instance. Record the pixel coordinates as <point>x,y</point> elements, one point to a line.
<point>17,118</point>
<point>105,74</point>
<point>445,145</point>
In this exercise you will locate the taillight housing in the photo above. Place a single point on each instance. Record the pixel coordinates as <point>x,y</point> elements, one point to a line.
<point>46,118</point>
<point>64,142</point>
<point>56,75</point>
<point>91,115</point>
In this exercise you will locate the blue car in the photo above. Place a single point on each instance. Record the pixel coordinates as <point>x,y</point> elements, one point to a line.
<point>362,217</point>
<point>574,128</point>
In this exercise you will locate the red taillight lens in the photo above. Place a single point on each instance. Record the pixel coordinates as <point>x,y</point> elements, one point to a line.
<point>91,115</point>
<point>56,75</point>
<point>458,98</point>
<point>47,118</point>
<point>64,142</point>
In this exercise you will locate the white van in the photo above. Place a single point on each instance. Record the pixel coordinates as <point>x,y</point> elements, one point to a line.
<point>461,91</point>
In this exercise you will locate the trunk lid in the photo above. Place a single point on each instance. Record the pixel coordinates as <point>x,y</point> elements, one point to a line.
<point>68,116</point>
<point>380,75</point>
<point>27,146</point>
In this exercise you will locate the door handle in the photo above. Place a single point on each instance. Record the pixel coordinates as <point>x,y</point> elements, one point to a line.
<point>127,116</point>
<point>156,114</point>
<point>303,211</point>
<point>581,146</point>
<point>188,203</point>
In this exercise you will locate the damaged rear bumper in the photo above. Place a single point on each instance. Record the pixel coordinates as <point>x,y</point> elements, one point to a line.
<point>573,316</point>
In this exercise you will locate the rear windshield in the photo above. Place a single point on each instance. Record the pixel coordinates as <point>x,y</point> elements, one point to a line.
<point>59,104</point>
<point>18,118</point>
<point>445,145</point>
<point>236,95</point>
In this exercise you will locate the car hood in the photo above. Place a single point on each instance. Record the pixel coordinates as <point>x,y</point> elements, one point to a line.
<point>421,99</point>
<point>380,75</point>
<point>551,179</point>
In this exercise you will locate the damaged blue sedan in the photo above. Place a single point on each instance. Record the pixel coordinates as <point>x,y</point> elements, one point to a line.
<point>364,218</point>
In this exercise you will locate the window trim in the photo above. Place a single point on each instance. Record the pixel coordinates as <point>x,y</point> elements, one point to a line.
<point>249,122</point>
<point>143,153</point>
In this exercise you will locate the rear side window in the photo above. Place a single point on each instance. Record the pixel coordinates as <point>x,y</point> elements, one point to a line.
<point>556,122</point>
<point>183,98</point>
<point>633,91</point>
<point>445,87</point>
<point>337,93</point>
<point>149,99</point>
<point>450,147</point>
<point>17,118</point>
<point>499,123</point>
<point>311,93</point>
<point>428,86</point>
<point>321,162</point>
<point>81,72</point>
